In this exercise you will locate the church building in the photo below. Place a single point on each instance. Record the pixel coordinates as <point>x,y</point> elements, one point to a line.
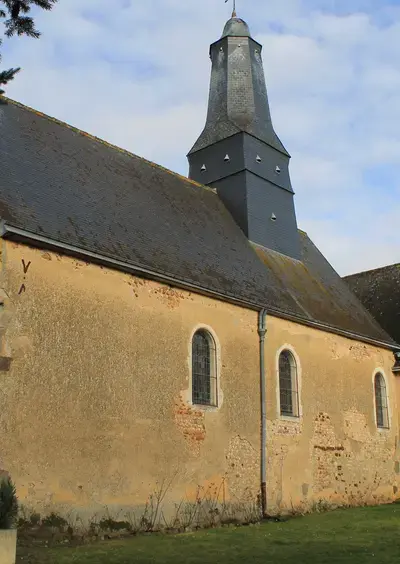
<point>182,333</point>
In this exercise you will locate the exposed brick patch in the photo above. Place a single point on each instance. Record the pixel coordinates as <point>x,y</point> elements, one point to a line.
<point>170,296</point>
<point>349,473</point>
<point>359,352</point>
<point>190,422</point>
<point>325,446</point>
<point>282,429</point>
<point>329,448</point>
<point>136,284</point>
<point>242,472</point>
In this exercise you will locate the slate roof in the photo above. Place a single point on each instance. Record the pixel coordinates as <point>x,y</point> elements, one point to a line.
<point>238,98</point>
<point>236,27</point>
<point>379,291</point>
<point>61,184</point>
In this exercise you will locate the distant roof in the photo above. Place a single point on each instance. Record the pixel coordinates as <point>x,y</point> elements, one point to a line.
<point>60,185</point>
<point>379,291</point>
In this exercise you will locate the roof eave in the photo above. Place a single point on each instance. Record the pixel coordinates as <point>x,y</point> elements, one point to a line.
<point>33,239</point>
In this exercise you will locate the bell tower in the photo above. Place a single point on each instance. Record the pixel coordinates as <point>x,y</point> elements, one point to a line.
<point>238,152</point>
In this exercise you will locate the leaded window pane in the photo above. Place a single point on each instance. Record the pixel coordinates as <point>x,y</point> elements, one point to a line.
<point>381,403</point>
<point>203,370</point>
<point>288,384</point>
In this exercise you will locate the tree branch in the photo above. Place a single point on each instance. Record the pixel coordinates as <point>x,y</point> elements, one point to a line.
<point>19,24</point>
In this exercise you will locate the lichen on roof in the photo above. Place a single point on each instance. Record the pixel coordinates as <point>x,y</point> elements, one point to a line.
<point>7,100</point>
<point>72,188</point>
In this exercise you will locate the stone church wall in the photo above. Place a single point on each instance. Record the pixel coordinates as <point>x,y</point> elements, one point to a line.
<point>94,390</point>
<point>334,452</point>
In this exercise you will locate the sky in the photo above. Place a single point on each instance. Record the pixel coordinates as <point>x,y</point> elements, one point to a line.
<point>138,77</point>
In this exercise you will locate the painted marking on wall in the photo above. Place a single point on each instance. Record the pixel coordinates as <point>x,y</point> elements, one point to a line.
<point>26,266</point>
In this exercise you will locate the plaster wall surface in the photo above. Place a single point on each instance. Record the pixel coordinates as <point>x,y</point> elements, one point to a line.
<point>95,397</point>
<point>94,408</point>
<point>334,450</point>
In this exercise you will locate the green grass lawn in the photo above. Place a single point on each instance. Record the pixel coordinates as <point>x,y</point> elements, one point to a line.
<point>356,536</point>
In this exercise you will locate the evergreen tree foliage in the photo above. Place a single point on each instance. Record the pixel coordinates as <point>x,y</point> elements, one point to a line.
<point>14,14</point>
<point>8,504</point>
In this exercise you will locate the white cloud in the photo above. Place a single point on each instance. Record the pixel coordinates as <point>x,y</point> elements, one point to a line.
<point>138,76</point>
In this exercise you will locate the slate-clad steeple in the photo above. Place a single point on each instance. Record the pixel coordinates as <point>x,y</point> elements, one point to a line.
<point>238,152</point>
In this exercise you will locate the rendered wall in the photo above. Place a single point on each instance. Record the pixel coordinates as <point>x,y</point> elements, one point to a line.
<point>334,451</point>
<point>95,397</point>
<point>93,407</point>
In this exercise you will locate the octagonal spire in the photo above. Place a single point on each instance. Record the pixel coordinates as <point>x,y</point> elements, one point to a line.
<point>238,152</point>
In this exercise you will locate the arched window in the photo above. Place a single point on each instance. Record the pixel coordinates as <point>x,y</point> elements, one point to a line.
<point>204,374</point>
<point>381,402</point>
<point>288,385</point>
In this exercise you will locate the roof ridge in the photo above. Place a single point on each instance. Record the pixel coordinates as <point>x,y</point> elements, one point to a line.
<point>106,143</point>
<point>396,264</point>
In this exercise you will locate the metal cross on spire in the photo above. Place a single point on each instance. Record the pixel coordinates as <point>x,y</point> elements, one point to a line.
<point>234,8</point>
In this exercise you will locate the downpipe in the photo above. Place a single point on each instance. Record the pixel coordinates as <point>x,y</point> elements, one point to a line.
<point>262,330</point>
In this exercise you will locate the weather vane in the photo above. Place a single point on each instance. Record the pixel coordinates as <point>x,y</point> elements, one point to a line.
<point>234,8</point>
